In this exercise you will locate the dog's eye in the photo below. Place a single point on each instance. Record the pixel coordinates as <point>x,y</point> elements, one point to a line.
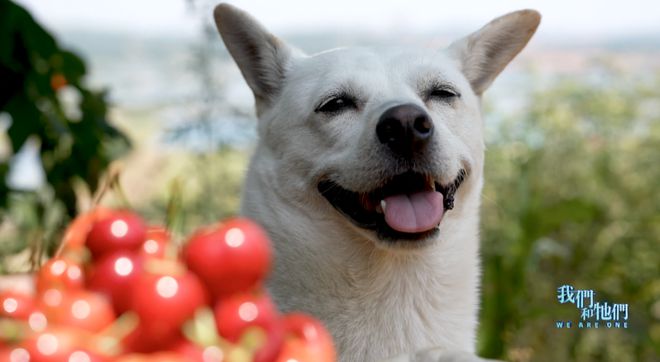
<point>443,94</point>
<point>336,104</point>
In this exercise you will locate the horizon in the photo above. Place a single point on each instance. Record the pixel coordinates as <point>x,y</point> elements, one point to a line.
<point>563,20</point>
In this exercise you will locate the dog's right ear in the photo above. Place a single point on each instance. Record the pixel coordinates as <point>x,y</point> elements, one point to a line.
<point>261,57</point>
<point>484,53</point>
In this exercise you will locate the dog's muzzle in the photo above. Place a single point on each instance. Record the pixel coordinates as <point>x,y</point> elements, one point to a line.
<point>407,206</point>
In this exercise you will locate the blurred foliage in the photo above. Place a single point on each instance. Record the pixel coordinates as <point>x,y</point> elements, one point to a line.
<point>571,197</point>
<point>44,100</point>
<point>213,193</point>
<point>209,191</point>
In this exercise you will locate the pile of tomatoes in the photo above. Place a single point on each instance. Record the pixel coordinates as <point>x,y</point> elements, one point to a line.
<point>121,291</point>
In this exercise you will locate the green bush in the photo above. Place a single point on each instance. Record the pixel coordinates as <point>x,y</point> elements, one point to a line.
<point>571,197</point>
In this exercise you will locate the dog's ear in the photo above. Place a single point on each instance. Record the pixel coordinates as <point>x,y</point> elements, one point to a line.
<point>484,53</point>
<point>261,57</point>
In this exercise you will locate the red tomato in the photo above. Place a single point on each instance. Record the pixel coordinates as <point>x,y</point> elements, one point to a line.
<point>195,353</point>
<point>296,350</point>
<point>164,301</point>
<point>152,357</point>
<point>81,355</point>
<point>14,354</point>
<point>82,309</point>
<point>121,230</point>
<point>189,350</point>
<point>235,314</point>
<point>57,81</point>
<point>156,242</point>
<point>59,273</point>
<point>306,340</point>
<point>114,275</point>
<point>52,345</point>
<point>17,305</point>
<point>76,233</point>
<point>230,257</point>
<point>150,338</point>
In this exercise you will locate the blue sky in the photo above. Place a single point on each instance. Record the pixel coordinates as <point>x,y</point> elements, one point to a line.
<point>561,18</point>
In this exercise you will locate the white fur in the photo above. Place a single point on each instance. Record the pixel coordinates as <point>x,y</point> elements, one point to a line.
<point>378,299</point>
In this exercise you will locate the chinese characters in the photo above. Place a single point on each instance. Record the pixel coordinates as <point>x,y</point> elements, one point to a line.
<point>591,311</point>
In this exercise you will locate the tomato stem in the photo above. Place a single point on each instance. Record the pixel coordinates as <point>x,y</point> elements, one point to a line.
<point>173,215</point>
<point>12,330</point>
<point>109,339</point>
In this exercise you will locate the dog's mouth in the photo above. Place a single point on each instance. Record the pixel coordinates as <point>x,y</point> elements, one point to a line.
<point>409,206</point>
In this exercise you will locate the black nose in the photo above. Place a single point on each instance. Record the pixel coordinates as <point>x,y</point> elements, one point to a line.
<point>405,129</point>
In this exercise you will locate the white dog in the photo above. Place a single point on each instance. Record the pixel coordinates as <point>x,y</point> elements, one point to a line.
<point>367,176</point>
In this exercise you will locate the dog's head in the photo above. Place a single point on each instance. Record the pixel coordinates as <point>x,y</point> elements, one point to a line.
<point>386,140</point>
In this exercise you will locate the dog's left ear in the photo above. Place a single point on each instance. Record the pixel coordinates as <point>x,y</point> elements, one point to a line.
<point>484,53</point>
<point>261,57</point>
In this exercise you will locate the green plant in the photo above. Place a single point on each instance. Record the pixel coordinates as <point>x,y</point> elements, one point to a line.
<point>43,97</point>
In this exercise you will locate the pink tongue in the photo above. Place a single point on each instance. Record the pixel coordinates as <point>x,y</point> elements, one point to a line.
<point>414,213</point>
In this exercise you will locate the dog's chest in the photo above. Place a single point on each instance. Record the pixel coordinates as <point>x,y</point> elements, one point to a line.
<point>388,309</point>
<point>406,313</point>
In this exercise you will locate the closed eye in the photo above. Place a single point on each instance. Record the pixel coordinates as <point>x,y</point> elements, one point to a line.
<point>443,94</point>
<point>336,104</point>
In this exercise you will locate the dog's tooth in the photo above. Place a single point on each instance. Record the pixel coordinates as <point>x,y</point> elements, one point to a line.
<point>380,208</point>
<point>430,183</point>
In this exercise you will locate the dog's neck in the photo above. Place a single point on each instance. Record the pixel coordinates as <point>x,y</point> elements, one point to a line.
<point>376,302</point>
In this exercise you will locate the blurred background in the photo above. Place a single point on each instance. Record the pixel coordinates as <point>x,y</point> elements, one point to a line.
<point>138,103</point>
